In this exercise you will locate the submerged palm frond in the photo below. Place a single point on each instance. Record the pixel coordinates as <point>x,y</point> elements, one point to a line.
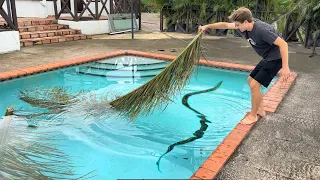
<point>51,98</point>
<point>26,155</point>
<point>53,104</point>
<point>162,87</point>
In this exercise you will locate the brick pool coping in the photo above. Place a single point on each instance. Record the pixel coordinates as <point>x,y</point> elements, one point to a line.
<point>214,163</point>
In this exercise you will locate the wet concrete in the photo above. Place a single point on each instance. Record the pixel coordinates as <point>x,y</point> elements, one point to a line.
<point>284,145</point>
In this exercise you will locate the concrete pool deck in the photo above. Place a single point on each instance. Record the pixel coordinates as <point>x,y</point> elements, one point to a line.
<point>284,145</point>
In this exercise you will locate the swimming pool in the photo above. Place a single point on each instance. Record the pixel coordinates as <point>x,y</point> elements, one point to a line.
<point>114,147</point>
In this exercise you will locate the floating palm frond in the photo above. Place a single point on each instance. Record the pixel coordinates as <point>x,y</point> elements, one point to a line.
<point>54,100</point>
<point>51,98</point>
<point>54,103</point>
<point>162,87</point>
<point>26,155</point>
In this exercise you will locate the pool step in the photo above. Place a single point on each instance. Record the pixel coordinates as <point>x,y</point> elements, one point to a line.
<point>130,61</point>
<point>36,31</point>
<point>117,73</point>
<point>125,67</point>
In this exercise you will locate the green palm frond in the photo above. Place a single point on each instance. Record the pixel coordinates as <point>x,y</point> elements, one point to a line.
<point>159,90</point>
<point>317,7</point>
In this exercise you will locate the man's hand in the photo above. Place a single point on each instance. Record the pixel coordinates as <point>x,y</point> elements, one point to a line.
<point>202,28</point>
<point>284,73</point>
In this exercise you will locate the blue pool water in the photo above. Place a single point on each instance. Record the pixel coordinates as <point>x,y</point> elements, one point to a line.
<point>116,148</point>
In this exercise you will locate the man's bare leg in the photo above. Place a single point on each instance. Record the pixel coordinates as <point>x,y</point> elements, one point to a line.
<point>256,99</point>
<point>261,111</point>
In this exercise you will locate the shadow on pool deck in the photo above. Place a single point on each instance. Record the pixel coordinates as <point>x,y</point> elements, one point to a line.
<point>285,145</point>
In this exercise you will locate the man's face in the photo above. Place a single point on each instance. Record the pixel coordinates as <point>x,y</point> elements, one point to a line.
<point>241,26</point>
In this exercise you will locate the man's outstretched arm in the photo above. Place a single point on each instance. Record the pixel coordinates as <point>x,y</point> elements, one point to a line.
<point>218,25</point>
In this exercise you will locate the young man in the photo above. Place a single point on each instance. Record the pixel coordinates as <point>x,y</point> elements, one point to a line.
<point>267,42</point>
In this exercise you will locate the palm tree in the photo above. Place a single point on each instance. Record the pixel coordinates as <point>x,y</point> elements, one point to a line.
<point>310,10</point>
<point>303,12</point>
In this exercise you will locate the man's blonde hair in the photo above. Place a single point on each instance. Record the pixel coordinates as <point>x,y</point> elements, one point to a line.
<point>241,14</point>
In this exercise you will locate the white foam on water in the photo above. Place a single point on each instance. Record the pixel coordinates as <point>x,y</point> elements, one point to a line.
<point>4,129</point>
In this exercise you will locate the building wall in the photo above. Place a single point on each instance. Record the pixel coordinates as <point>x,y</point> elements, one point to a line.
<point>31,8</point>
<point>88,27</point>
<point>9,41</point>
<point>42,9</point>
<point>50,8</point>
<point>99,26</point>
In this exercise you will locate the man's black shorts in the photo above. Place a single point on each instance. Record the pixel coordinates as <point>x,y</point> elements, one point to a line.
<point>265,71</point>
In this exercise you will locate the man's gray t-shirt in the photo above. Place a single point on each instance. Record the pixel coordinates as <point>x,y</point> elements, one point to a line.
<point>261,38</point>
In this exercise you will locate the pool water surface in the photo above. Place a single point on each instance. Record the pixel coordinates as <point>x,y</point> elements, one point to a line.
<point>97,139</point>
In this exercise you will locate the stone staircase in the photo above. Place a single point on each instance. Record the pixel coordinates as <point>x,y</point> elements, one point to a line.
<point>46,31</point>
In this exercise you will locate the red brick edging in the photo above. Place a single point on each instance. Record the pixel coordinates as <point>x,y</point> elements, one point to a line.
<point>210,168</point>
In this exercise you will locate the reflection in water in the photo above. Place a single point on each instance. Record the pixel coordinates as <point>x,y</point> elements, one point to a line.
<point>199,133</point>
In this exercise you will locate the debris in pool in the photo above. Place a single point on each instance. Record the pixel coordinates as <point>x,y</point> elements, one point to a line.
<point>57,101</point>
<point>9,111</point>
<point>32,126</point>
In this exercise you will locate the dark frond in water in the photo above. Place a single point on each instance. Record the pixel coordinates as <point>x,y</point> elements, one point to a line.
<point>159,90</point>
